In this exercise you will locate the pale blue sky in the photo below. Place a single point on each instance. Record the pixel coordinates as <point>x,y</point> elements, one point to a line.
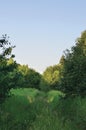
<point>42,29</point>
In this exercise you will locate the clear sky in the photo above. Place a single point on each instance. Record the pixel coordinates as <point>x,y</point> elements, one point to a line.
<point>42,29</point>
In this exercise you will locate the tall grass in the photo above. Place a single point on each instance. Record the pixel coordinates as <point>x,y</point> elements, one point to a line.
<point>30,109</point>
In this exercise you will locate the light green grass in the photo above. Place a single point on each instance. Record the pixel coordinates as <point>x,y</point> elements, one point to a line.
<point>53,94</point>
<point>24,92</point>
<point>29,93</point>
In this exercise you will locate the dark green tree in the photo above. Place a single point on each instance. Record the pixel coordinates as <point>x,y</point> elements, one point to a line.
<point>73,79</point>
<point>32,79</point>
<point>28,78</point>
<point>6,67</point>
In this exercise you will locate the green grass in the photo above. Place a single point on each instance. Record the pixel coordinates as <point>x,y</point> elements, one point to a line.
<point>18,110</point>
<point>53,94</point>
<point>31,109</point>
<point>30,93</point>
<point>24,91</point>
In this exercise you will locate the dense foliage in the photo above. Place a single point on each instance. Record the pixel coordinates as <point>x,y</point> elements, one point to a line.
<point>7,66</point>
<point>73,81</point>
<point>51,76</point>
<point>29,78</point>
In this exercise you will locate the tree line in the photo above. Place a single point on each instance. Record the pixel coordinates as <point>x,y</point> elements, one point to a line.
<point>69,76</point>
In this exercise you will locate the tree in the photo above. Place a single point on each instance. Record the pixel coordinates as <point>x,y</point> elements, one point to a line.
<point>32,79</point>
<point>51,76</point>
<point>6,67</point>
<point>27,77</point>
<point>73,80</point>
